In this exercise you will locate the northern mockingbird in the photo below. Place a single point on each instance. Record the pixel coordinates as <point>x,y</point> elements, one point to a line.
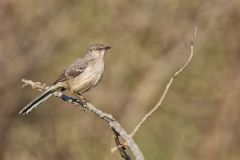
<point>79,77</point>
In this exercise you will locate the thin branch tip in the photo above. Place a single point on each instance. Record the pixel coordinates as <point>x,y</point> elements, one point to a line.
<point>168,85</point>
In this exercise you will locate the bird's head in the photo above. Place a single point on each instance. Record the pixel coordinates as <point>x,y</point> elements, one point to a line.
<point>97,50</point>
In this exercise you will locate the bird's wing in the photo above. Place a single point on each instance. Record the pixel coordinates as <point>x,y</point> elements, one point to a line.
<point>72,71</point>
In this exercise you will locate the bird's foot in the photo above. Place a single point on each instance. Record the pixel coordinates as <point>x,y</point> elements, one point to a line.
<point>83,101</point>
<point>84,105</point>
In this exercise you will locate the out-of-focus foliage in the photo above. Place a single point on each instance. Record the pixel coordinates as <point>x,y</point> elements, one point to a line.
<point>200,116</point>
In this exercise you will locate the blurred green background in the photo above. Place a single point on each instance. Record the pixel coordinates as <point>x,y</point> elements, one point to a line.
<point>200,116</point>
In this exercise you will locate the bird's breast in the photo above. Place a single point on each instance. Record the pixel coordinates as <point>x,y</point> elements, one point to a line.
<point>87,79</point>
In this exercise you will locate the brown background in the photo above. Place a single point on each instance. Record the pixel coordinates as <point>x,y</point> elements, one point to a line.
<point>199,118</point>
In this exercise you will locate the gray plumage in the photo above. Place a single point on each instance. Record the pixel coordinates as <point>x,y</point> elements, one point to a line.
<point>82,75</point>
<point>73,70</point>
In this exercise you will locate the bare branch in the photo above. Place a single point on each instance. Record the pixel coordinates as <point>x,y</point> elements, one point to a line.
<point>108,118</point>
<point>159,103</point>
<point>121,148</point>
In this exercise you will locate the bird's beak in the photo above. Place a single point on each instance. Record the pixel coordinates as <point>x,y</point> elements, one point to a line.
<point>107,47</point>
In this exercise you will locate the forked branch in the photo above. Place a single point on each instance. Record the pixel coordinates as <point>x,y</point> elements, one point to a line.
<point>111,122</point>
<point>159,103</point>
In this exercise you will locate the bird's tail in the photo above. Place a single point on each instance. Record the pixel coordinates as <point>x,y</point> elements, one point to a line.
<point>37,101</point>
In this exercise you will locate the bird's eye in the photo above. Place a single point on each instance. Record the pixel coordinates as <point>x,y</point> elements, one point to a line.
<point>97,49</point>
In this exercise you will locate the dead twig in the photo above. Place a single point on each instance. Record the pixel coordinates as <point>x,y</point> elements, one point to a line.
<point>108,118</point>
<point>159,103</point>
<point>121,148</point>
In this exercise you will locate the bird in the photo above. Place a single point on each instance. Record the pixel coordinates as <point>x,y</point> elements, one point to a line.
<point>79,77</point>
